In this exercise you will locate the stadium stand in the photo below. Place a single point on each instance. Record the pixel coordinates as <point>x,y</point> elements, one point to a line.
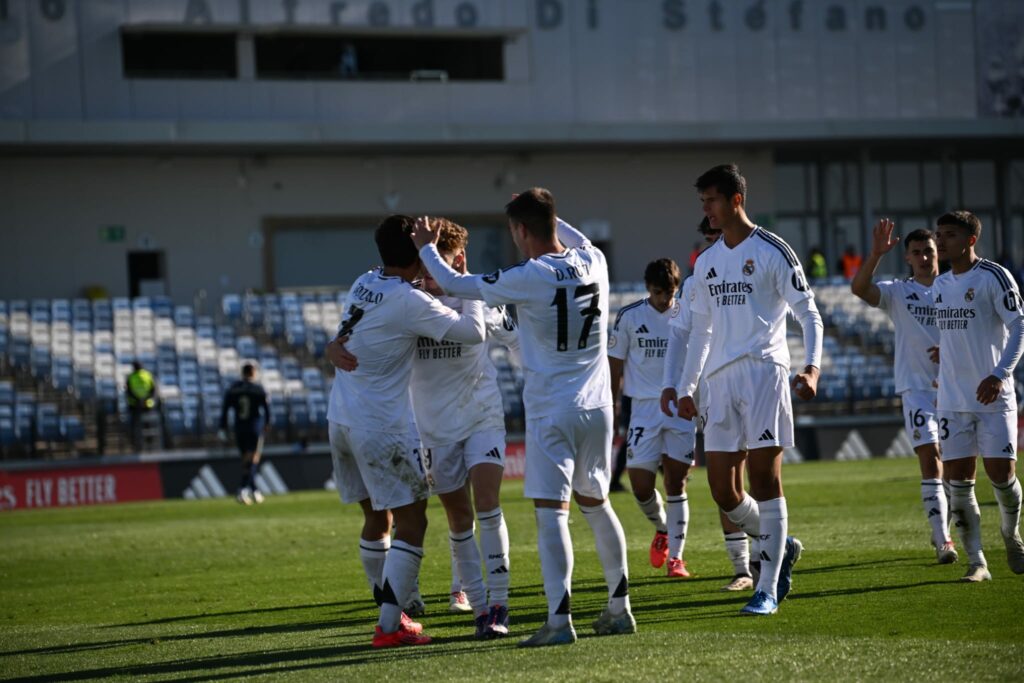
<point>63,365</point>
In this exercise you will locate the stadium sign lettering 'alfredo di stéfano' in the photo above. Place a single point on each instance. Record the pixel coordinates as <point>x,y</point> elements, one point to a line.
<point>674,15</point>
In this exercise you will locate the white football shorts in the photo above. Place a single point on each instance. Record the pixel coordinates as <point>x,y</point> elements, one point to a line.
<point>448,466</point>
<point>748,406</point>
<point>653,434</point>
<point>990,435</point>
<point>568,452</point>
<point>382,466</point>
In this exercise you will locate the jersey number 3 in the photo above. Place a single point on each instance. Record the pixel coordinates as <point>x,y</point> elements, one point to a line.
<point>591,311</point>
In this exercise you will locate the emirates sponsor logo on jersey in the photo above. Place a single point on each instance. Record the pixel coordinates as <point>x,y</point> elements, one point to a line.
<point>731,293</point>
<point>748,267</point>
<point>954,318</point>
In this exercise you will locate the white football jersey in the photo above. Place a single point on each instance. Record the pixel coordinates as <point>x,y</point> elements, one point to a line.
<point>972,311</point>
<point>455,386</point>
<point>640,339</point>
<point>910,305</point>
<point>384,316</point>
<point>746,291</point>
<point>562,305</point>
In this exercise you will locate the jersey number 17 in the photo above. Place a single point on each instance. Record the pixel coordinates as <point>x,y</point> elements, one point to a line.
<point>591,311</point>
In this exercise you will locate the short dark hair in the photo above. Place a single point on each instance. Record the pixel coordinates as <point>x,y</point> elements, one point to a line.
<point>394,243</point>
<point>726,179</point>
<point>248,370</point>
<point>962,219</point>
<point>662,273</point>
<point>136,365</point>
<point>535,209</point>
<point>919,235</point>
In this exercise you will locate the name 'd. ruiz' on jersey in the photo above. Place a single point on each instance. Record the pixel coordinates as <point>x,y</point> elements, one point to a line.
<point>925,315</point>
<point>572,272</point>
<point>428,349</point>
<point>731,293</point>
<point>954,318</point>
<point>654,347</point>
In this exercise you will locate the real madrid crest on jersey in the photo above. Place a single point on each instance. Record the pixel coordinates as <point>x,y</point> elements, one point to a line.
<point>675,309</point>
<point>969,294</point>
<point>612,341</point>
<point>748,267</point>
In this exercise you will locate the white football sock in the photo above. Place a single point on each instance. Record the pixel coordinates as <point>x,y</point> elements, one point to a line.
<point>373,554</point>
<point>677,512</point>
<point>611,550</point>
<point>966,516</point>
<point>1008,495</point>
<point>738,551</point>
<point>467,564</point>
<point>774,526</point>
<point>554,546</point>
<point>936,510</point>
<point>401,571</point>
<point>654,511</point>
<point>494,548</point>
<point>746,516</point>
<point>456,585</point>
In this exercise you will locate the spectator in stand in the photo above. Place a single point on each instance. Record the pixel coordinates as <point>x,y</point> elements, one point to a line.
<point>140,395</point>
<point>850,262</point>
<point>818,269</point>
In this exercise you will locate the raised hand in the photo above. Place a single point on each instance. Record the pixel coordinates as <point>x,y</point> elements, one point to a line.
<point>423,233</point>
<point>882,240</point>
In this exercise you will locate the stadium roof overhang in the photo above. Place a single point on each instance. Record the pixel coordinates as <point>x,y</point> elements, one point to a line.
<point>311,137</point>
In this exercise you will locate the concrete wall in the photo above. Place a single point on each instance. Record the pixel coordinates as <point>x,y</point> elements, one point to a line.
<point>567,61</point>
<point>208,213</point>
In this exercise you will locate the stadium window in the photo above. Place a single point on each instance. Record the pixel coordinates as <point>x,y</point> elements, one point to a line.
<point>152,54</point>
<point>380,58</point>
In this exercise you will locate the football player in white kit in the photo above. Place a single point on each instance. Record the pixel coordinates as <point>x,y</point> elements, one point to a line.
<point>636,354</point>
<point>374,443</point>
<point>736,545</point>
<point>743,286</point>
<point>908,302</point>
<point>458,408</point>
<point>561,295</point>
<point>981,337</point>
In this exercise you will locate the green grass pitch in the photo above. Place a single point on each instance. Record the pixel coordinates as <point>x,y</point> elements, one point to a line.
<point>209,591</point>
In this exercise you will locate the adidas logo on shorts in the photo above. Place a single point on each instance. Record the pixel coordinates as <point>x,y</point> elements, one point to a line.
<point>1009,449</point>
<point>766,435</point>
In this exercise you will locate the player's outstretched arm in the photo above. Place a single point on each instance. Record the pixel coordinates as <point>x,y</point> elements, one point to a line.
<point>882,242</point>
<point>464,286</point>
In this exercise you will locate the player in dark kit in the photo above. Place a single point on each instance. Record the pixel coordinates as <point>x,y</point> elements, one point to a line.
<point>248,400</point>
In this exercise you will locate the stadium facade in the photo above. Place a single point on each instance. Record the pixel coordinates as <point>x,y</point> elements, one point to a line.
<point>179,146</point>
